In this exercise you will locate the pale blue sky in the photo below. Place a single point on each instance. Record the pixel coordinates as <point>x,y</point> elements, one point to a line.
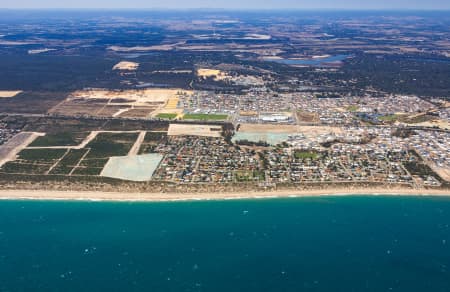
<point>230,4</point>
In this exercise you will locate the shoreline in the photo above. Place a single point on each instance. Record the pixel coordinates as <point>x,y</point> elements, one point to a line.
<point>43,195</point>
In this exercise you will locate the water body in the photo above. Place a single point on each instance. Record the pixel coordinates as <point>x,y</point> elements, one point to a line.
<point>312,62</point>
<point>432,60</point>
<point>304,244</point>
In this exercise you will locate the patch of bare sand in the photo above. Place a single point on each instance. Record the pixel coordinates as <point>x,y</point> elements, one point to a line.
<point>279,128</point>
<point>127,66</point>
<point>9,93</point>
<point>442,124</point>
<point>194,130</point>
<point>135,97</point>
<point>217,74</point>
<point>10,149</point>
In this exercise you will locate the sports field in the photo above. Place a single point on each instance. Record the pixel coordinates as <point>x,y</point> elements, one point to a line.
<point>205,117</point>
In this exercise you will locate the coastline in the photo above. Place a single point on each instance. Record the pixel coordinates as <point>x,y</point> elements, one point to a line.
<point>170,197</point>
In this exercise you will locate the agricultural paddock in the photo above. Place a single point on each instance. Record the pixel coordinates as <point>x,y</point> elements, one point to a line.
<point>66,154</point>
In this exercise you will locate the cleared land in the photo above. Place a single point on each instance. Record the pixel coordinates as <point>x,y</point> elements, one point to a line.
<point>306,117</point>
<point>268,137</point>
<point>133,168</point>
<point>118,103</point>
<point>309,131</point>
<point>9,150</point>
<point>194,130</point>
<point>206,73</point>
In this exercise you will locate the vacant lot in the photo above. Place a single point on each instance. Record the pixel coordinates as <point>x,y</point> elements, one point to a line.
<point>194,130</point>
<point>206,73</point>
<point>133,168</point>
<point>309,131</point>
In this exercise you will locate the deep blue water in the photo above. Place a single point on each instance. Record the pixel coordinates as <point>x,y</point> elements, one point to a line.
<point>305,244</point>
<point>312,62</point>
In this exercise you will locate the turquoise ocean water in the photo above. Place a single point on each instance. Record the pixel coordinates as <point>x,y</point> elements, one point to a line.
<point>304,244</point>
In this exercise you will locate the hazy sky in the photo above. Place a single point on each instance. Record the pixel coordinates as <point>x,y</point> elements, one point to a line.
<point>236,4</point>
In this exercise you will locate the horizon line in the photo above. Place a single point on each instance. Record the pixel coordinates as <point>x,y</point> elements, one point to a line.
<point>224,9</point>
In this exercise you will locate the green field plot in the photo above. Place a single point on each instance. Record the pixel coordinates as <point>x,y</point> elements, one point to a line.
<point>106,145</point>
<point>60,139</point>
<point>353,108</point>
<point>305,155</point>
<point>205,117</point>
<point>245,176</point>
<point>388,118</point>
<point>166,116</point>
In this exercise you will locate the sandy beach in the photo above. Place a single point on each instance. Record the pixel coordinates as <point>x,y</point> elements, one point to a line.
<point>156,197</point>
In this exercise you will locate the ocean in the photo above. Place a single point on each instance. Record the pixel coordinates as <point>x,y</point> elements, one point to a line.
<point>346,244</point>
